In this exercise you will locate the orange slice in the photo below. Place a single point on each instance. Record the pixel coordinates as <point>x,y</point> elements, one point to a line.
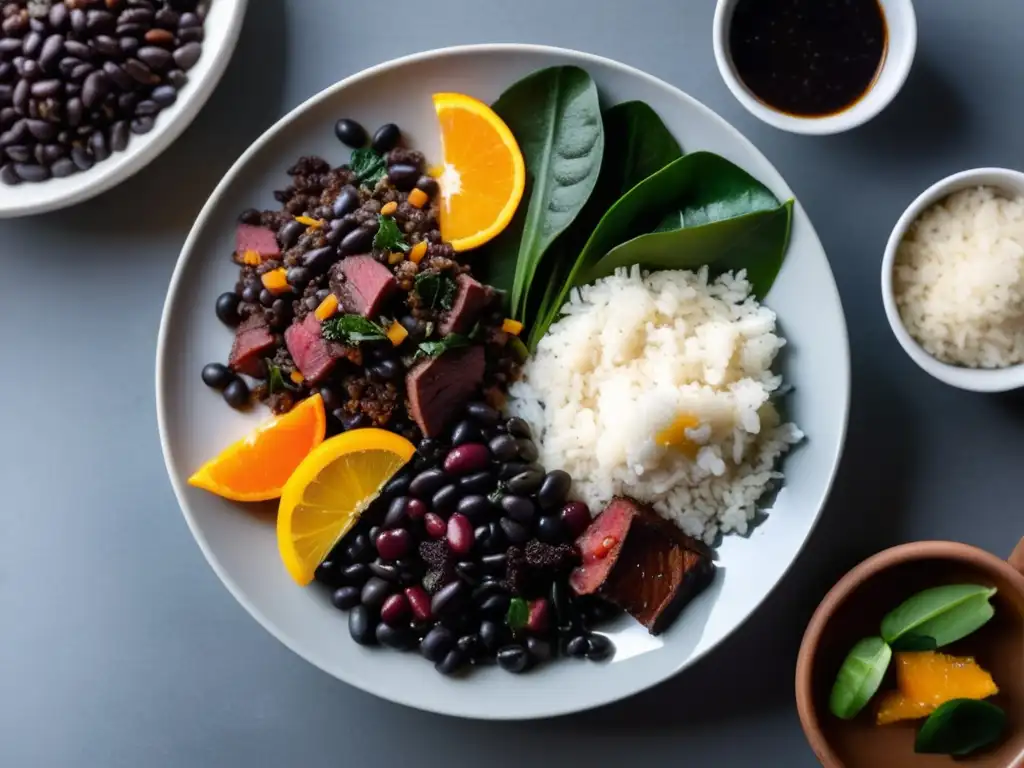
<point>484,173</point>
<point>328,492</point>
<point>256,467</point>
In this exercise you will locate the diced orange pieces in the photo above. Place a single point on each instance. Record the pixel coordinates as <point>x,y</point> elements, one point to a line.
<point>418,251</point>
<point>252,258</point>
<point>309,221</point>
<point>397,333</point>
<point>276,280</point>
<point>388,209</point>
<point>514,327</point>
<point>395,257</point>
<point>927,679</point>
<point>418,198</point>
<point>328,307</point>
<point>296,377</point>
<point>674,435</point>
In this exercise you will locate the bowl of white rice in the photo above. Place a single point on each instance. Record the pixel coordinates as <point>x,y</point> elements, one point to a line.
<point>953,280</point>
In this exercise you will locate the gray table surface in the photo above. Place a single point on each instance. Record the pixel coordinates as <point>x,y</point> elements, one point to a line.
<point>118,645</point>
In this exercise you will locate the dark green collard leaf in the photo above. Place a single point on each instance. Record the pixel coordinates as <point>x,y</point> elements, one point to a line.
<point>859,677</point>
<point>368,166</point>
<point>275,379</point>
<point>941,615</point>
<point>389,237</point>
<point>960,727</point>
<point>556,118</point>
<point>723,195</point>
<point>755,242</point>
<point>637,145</point>
<point>351,329</point>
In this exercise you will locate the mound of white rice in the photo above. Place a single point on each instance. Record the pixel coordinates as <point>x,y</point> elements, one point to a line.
<point>958,279</point>
<point>634,353</point>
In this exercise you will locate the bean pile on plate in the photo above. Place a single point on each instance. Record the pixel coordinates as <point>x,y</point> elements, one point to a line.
<point>467,534</point>
<point>79,77</point>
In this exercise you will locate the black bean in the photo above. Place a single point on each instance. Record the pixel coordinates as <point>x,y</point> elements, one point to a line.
<point>487,589</point>
<point>560,602</point>
<point>346,202</point>
<point>519,428</point>
<point>31,172</point>
<point>345,598</point>
<point>177,78</point>
<point>130,30</point>
<point>475,507</point>
<point>375,592</point>
<point>396,516</point>
<point>19,153</point>
<point>217,375</point>
<point>139,72</point>
<point>496,543</point>
<point>389,573</point>
<point>359,550</point>
<point>58,15</point>
<point>599,647</point>
<point>128,45</point>
<point>63,168</point>
<point>510,469</point>
<point>356,574</point>
<point>95,88</point>
<point>578,646</point>
<point>527,450</point>
<point>48,154</point>
<point>49,56</point>
<point>431,187</point>
<point>513,658</point>
<point>359,240</point>
<point>495,607</point>
<point>469,645</point>
<point>437,643</point>
<point>20,96</point>
<point>526,483</point>
<point>554,489</point>
<point>138,15</point>
<point>387,370</point>
<point>106,45</point>
<point>82,159</point>
<point>504,448</point>
<point>355,421</point>
<point>77,16</point>
<point>468,571</point>
<point>427,483</point>
<point>448,598</point>
<point>97,21</point>
<point>167,18</point>
<point>350,132</point>
<point>289,233</point>
<point>147,107</point>
<point>187,55</point>
<point>478,483</point>
<point>164,95</point>
<point>267,299</point>
<point>46,89</point>
<point>227,308</point>
<point>550,529</point>
<point>319,259</point>
<point>386,138</point>
<point>119,137</point>
<point>453,661</point>
<point>403,176</point>
<point>495,563</point>
<point>157,59</point>
<point>540,650</point>
<point>236,394</point>
<point>514,531</point>
<point>446,499</point>
<point>493,635</point>
<point>9,47</point>
<point>8,175</point>
<point>251,293</point>
<point>395,637</point>
<point>361,625</point>
<point>519,508</point>
<point>466,432</point>
<point>397,485</point>
<point>189,20</point>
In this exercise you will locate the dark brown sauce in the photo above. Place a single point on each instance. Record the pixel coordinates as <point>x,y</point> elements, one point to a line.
<point>809,58</point>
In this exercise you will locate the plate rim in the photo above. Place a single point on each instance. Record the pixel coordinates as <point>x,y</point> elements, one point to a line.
<point>603,697</point>
<point>124,165</point>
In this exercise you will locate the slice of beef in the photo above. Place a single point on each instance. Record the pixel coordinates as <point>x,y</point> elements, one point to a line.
<point>439,388</point>
<point>367,285</point>
<point>314,356</point>
<point>655,568</point>
<point>470,300</point>
<point>259,239</point>
<point>253,342</point>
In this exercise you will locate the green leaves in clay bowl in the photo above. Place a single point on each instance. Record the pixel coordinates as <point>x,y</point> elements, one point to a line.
<point>960,727</point>
<point>937,617</point>
<point>859,677</point>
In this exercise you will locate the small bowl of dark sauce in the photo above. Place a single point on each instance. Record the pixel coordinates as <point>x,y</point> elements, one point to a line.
<point>815,66</point>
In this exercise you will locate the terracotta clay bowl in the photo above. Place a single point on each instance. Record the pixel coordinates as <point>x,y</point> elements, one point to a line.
<point>854,609</point>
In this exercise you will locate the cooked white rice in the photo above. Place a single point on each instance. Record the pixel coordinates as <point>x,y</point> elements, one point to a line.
<point>958,279</point>
<point>634,352</point>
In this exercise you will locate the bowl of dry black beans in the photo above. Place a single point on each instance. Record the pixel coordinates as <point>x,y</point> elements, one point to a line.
<point>91,91</point>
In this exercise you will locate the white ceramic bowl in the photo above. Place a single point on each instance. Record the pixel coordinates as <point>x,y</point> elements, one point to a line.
<point>972,379</point>
<point>901,23</point>
<point>240,543</point>
<point>222,26</point>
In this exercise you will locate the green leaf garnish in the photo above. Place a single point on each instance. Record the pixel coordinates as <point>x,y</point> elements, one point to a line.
<point>496,495</point>
<point>351,329</point>
<point>275,379</point>
<point>437,290</point>
<point>436,348</point>
<point>389,237</point>
<point>859,677</point>
<point>368,166</point>
<point>960,727</point>
<point>938,616</point>
<point>518,614</point>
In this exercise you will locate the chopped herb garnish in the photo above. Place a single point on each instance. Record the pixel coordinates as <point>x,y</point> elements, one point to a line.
<point>496,495</point>
<point>368,166</point>
<point>518,614</point>
<point>351,329</point>
<point>436,348</point>
<point>435,289</point>
<point>389,236</point>
<point>275,379</point>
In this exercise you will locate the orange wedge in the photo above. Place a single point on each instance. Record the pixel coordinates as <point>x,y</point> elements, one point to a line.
<point>484,174</point>
<point>328,492</point>
<point>256,467</point>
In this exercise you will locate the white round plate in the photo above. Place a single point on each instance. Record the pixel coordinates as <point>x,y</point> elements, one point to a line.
<point>222,26</point>
<point>240,545</point>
